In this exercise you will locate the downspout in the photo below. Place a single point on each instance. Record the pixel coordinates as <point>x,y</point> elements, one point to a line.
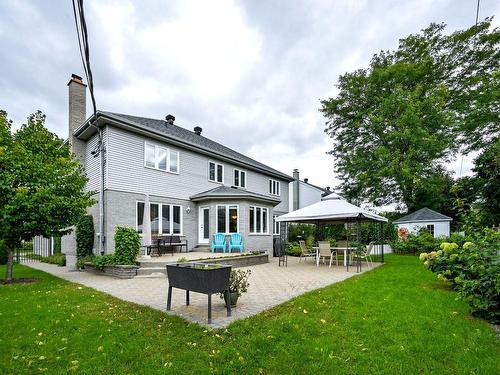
<point>102,150</point>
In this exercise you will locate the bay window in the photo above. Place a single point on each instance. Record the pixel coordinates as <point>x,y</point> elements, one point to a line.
<point>258,220</point>
<point>227,218</point>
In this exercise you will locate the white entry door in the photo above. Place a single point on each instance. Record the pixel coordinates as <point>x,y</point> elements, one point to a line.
<point>204,225</point>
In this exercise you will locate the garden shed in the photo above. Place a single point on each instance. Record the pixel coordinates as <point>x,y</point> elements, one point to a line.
<point>437,224</point>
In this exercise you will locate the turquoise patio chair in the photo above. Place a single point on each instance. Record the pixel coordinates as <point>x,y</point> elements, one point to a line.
<point>236,242</point>
<point>219,242</point>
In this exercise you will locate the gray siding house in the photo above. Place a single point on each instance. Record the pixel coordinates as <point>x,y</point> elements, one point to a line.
<point>302,193</point>
<point>196,186</point>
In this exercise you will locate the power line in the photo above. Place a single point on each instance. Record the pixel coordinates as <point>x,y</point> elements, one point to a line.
<point>83,43</point>
<point>100,150</point>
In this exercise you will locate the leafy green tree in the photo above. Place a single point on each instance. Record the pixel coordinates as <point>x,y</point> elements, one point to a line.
<point>41,184</point>
<point>487,172</point>
<point>396,123</point>
<point>84,237</point>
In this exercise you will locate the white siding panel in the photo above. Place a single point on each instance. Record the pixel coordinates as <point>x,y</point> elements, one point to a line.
<point>308,195</point>
<point>126,171</point>
<point>441,228</point>
<point>93,164</point>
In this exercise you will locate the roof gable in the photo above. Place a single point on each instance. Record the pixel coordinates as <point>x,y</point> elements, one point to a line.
<point>424,214</point>
<point>180,134</point>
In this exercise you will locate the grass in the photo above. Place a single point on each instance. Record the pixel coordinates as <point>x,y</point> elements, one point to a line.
<point>395,319</point>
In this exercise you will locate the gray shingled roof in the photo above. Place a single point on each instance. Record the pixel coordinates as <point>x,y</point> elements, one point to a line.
<point>424,214</point>
<point>233,192</point>
<point>179,133</point>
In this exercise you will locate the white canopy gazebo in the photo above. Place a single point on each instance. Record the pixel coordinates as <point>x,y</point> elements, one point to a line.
<point>334,209</point>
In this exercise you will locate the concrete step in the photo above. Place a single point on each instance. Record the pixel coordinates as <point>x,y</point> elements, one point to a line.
<point>157,264</point>
<point>151,271</point>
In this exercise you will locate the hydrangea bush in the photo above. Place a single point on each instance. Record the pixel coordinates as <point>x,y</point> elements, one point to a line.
<point>473,269</point>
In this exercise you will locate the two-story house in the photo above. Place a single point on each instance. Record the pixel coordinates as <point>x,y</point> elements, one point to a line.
<point>196,186</point>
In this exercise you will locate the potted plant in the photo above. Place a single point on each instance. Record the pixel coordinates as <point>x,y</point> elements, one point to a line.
<point>238,284</point>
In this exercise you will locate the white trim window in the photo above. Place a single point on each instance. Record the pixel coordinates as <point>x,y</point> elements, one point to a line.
<point>259,219</point>
<point>165,218</point>
<point>274,187</point>
<point>215,172</point>
<point>227,218</point>
<point>161,158</point>
<point>240,178</point>
<point>430,229</point>
<point>276,225</point>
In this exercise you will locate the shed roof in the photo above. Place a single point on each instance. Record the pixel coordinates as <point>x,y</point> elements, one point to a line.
<point>424,214</point>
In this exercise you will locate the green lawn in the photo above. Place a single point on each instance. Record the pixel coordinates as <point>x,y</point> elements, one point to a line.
<point>395,319</point>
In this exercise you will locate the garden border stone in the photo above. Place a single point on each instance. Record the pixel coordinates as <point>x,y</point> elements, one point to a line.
<point>118,271</point>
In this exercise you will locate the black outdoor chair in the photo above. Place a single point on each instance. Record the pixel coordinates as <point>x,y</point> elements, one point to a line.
<point>279,250</point>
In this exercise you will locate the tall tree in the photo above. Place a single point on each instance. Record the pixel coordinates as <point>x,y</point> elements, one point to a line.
<point>395,124</point>
<point>41,184</point>
<point>487,172</point>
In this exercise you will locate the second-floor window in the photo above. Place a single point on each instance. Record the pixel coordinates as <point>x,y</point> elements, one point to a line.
<point>215,172</point>
<point>161,158</point>
<point>240,178</point>
<point>274,187</point>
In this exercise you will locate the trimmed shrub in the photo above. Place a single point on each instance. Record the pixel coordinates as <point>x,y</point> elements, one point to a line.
<point>127,247</point>
<point>59,259</point>
<point>84,236</point>
<point>424,242</point>
<point>473,270</point>
<point>127,244</point>
<point>81,262</point>
<point>293,249</point>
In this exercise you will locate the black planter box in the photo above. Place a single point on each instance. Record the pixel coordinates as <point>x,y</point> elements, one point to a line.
<point>199,277</point>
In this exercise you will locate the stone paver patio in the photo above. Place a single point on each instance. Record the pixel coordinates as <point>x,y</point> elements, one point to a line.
<point>270,285</point>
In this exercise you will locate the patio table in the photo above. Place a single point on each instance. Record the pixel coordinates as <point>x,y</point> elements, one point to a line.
<point>345,250</point>
<point>347,253</point>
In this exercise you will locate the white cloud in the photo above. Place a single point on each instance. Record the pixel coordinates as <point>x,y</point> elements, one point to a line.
<point>250,73</point>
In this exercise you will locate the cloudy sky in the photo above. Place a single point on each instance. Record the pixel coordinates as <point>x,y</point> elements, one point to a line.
<point>251,73</point>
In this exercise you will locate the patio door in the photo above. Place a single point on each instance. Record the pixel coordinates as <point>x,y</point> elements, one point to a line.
<point>204,225</point>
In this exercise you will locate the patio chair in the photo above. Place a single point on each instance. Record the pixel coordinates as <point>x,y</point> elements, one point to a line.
<point>326,252</point>
<point>219,242</point>
<point>366,255</point>
<point>236,242</point>
<point>305,252</point>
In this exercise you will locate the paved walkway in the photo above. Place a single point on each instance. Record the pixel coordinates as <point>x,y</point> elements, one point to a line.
<point>270,285</point>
